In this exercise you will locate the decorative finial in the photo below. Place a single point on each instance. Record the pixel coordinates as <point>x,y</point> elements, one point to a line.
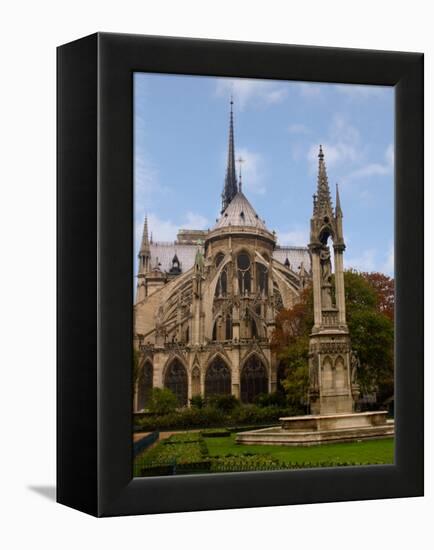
<point>338,209</point>
<point>323,200</point>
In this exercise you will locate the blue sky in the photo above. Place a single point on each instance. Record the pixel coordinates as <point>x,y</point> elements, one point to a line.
<point>180,150</point>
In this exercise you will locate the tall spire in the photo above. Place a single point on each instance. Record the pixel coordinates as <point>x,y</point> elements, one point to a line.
<point>322,201</point>
<point>144,247</point>
<point>231,187</point>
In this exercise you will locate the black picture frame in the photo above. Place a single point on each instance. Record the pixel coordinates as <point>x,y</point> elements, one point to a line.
<point>95,262</point>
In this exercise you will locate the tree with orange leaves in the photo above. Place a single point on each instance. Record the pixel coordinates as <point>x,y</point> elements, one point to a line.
<point>370,309</point>
<point>384,287</point>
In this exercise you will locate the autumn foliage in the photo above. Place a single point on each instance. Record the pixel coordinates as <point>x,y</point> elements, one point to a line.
<point>384,287</point>
<point>370,308</point>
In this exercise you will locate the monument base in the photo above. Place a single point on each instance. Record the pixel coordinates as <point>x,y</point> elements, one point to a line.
<point>319,429</point>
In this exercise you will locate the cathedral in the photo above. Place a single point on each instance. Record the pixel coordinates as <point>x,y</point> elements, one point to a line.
<point>206,304</point>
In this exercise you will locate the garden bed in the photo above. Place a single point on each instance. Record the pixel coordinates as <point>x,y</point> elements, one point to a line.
<point>194,453</point>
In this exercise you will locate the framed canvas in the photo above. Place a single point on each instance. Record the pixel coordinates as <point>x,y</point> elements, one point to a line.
<point>156,338</point>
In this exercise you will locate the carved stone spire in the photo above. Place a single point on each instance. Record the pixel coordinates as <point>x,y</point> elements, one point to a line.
<point>323,199</point>
<point>338,210</point>
<point>230,188</point>
<point>144,263</point>
<point>144,247</point>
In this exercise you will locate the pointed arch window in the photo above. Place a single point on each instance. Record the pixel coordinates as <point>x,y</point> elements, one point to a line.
<point>222,329</point>
<point>278,302</point>
<point>175,380</point>
<point>219,258</point>
<point>222,284</point>
<point>195,382</point>
<point>218,378</point>
<point>228,328</point>
<point>254,379</point>
<point>327,374</point>
<point>244,273</point>
<point>145,385</point>
<point>261,278</point>
<point>340,378</point>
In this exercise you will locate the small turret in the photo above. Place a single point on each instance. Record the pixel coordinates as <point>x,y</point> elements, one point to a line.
<point>144,263</point>
<point>145,250</point>
<point>176,266</point>
<point>323,200</point>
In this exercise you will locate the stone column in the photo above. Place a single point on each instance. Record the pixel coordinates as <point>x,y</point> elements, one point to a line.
<point>316,279</point>
<point>339,284</point>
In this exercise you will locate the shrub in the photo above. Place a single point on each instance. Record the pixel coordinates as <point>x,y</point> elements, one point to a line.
<point>223,402</point>
<point>162,401</point>
<point>246,463</point>
<point>197,402</point>
<point>276,399</point>
<point>193,437</point>
<point>212,417</point>
<point>216,432</point>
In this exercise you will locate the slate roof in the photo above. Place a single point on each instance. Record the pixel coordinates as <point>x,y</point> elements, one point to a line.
<point>240,212</point>
<point>165,252</point>
<point>187,252</point>
<point>295,255</point>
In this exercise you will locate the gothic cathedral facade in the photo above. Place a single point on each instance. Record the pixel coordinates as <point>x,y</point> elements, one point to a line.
<point>206,304</point>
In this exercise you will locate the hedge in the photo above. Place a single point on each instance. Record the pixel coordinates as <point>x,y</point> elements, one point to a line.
<point>210,417</point>
<point>216,432</point>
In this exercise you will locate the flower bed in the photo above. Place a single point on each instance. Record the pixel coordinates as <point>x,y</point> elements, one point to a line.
<point>186,451</point>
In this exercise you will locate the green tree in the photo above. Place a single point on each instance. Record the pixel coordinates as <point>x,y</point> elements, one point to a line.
<point>371,330</point>
<point>372,334</point>
<point>162,401</point>
<point>290,341</point>
<point>296,384</point>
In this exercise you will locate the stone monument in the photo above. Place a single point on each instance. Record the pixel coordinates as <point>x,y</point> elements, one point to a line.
<point>333,386</point>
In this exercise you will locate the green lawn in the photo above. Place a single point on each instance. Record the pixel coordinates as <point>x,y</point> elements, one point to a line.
<point>367,452</point>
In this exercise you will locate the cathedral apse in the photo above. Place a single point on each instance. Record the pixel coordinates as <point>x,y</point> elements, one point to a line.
<point>206,303</point>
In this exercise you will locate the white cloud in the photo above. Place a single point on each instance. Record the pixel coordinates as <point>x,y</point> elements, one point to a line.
<point>341,129</point>
<point>341,145</point>
<point>252,171</point>
<point>166,230</point>
<point>390,154</point>
<point>195,221</point>
<point>308,90</point>
<point>297,236</point>
<point>337,153</point>
<point>360,91</point>
<point>162,230</point>
<point>247,91</point>
<point>371,260</point>
<point>389,265</point>
<point>375,168</point>
<point>146,184</point>
<point>366,261</point>
<point>298,129</point>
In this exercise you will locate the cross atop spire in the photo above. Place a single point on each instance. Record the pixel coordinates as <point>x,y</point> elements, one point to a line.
<point>323,202</point>
<point>230,188</point>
